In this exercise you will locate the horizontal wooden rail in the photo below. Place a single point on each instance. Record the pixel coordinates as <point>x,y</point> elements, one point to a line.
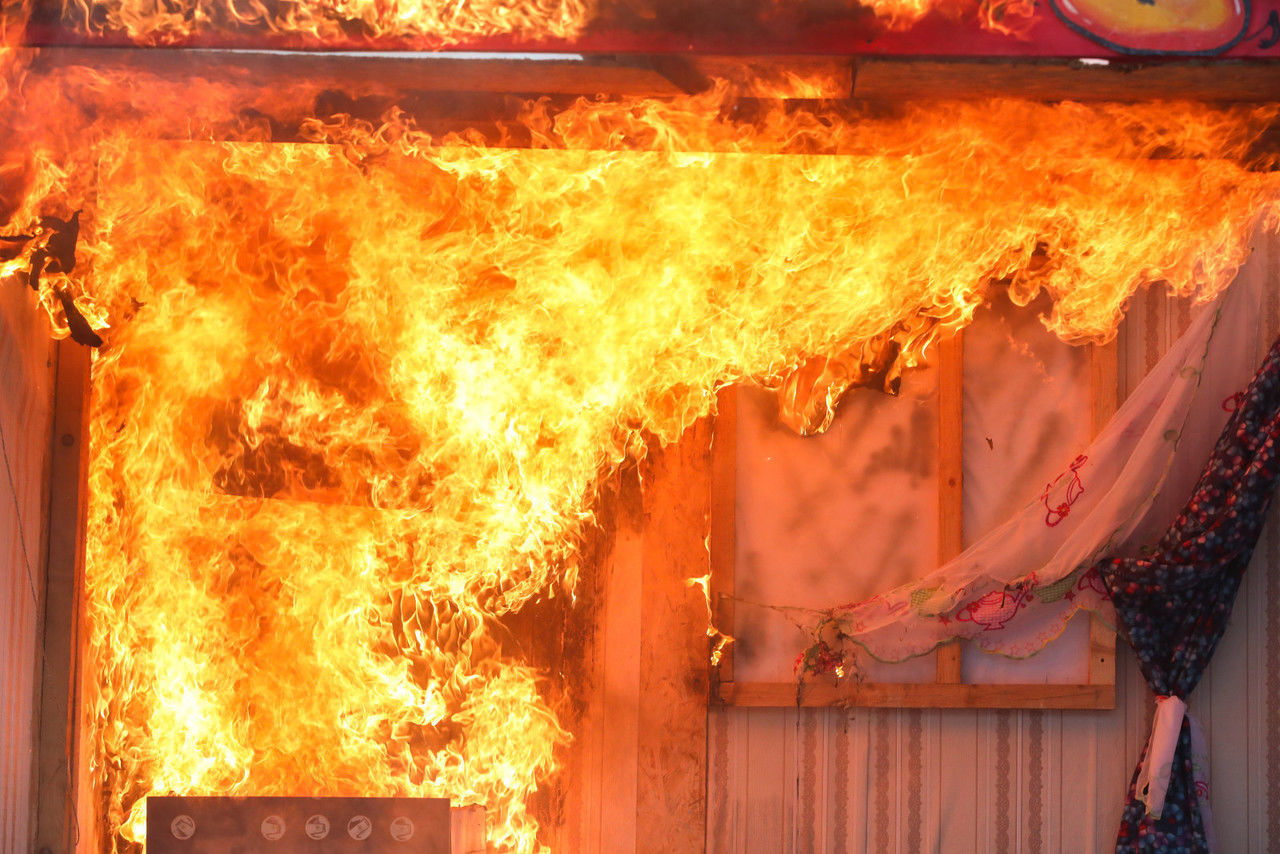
<point>924,695</point>
<point>859,78</point>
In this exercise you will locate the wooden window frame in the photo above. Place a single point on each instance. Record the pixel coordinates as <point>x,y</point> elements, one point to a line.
<point>948,690</point>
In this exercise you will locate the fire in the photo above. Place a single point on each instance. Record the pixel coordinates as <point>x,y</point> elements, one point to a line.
<point>358,390</point>
<point>442,23</point>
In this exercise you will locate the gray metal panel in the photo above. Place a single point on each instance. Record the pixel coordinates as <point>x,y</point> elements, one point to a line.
<point>217,825</point>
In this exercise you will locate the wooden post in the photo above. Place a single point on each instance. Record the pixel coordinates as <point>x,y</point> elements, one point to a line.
<point>724,496</point>
<point>674,668</point>
<point>27,378</point>
<point>636,777</point>
<point>64,813</point>
<point>950,477</point>
<point>1105,385</point>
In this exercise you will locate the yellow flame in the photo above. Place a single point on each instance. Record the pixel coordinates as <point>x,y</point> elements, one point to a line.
<point>722,640</point>
<point>443,23</point>
<point>359,391</point>
<point>448,23</point>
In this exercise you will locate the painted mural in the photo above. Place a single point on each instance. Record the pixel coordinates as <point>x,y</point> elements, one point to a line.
<point>1168,27</point>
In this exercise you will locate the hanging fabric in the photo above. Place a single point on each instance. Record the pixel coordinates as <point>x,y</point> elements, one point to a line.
<point>1173,606</point>
<point>1015,589</point>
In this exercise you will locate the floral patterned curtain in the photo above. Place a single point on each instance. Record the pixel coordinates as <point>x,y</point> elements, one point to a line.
<point>1173,605</point>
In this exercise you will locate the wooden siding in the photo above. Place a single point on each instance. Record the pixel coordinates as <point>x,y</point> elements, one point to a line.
<point>634,778</point>
<point>26,407</point>
<point>884,780</point>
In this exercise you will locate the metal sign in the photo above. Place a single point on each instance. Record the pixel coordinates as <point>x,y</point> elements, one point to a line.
<point>217,825</point>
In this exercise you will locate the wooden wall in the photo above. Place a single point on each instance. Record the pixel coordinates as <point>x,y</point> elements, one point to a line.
<point>26,408</point>
<point>833,780</point>
<point>634,780</point>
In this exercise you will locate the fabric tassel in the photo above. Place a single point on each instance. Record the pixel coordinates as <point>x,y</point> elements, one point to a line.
<point>1153,776</point>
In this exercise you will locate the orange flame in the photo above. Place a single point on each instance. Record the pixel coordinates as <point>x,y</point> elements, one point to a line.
<point>358,392</point>
<point>444,23</point>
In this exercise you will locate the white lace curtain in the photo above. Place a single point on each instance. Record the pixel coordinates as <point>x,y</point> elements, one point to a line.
<point>1014,590</point>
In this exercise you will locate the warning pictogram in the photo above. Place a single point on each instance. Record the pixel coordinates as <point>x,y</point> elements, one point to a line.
<point>359,827</point>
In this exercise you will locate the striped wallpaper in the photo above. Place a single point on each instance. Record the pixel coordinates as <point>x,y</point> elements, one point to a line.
<point>848,781</point>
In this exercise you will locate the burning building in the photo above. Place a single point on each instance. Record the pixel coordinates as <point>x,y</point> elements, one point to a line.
<point>377,451</point>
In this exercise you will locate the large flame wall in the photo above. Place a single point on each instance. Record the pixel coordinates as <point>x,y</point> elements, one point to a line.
<point>358,392</point>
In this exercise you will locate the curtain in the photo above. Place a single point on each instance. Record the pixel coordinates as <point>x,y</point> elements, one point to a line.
<point>1015,589</point>
<point>1173,604</point>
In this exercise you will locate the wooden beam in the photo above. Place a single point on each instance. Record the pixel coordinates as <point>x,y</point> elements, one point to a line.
<point>950,478</point>
<point>27,386</point>
<point>674,670</point>
<point>611,826</point>
<point>635,776</point>
<point>1104,380</point>
<point>1104,370</point>
<point>924,695</point>
<point>65,816</point>
<point>724,499</point>
<point>597,783</point>
<point>902,78</point>
<point>386,72</point>
<point>793,77</point>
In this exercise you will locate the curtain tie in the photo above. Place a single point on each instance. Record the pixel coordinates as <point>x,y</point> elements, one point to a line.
<point>1153,776</point>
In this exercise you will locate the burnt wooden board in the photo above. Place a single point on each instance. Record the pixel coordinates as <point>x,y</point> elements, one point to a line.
<point>222,825</point>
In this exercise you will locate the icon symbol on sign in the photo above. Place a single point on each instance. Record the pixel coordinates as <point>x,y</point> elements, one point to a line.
<point>317,827</point>
<point>402,829</point>
<point>272,828</point>
<point>359,827</point>
<point>183,827</point>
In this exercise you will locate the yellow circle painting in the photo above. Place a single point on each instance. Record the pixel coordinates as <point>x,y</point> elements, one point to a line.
<point>1170,27</point>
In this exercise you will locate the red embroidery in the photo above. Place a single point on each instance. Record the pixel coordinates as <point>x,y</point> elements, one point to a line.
<point>1231,404</point>
<point>993,610</point>
<point>1091,580</point>
<point>1055,513</point>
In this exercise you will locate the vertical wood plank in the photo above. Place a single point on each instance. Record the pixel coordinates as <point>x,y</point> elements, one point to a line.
<point>66,808</point>
<point>611,826</point>
<point>1081,757</point>
<point>934,797</point>
<point>770,786</point>
<point>1269,749</point>
<point>724,493</point>
<point>743,772</point>
<point>26,411</point>
<point>1222,705</point>
<point>1255,619</point>
<point>811,771</point>
<point>1105,393</point>
<point>950,476</point>
<point>674,678</point>
<point>848,830</point>
<point>985,782</point>
<point>1094,745</point>
<point>1104,383</point>
<point>958,792</point>
<point>719,774</point>
<point>822,798</point>
<point>1252,598</point>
